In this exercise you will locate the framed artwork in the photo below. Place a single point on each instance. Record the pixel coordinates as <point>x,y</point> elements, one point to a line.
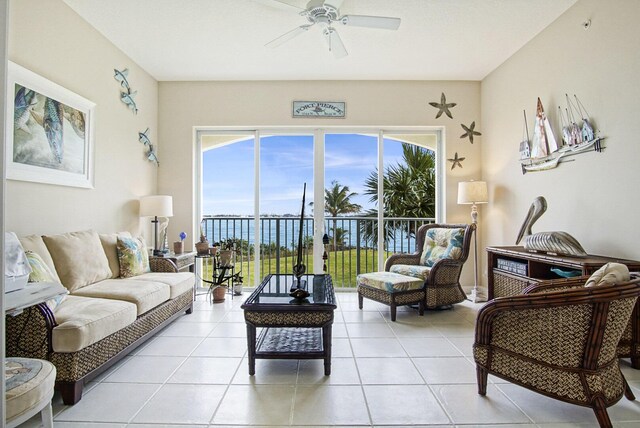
<point>319,109</point>
<point>52,137</point>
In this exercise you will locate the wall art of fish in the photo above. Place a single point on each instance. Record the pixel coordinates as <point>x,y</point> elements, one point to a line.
<point>121,77</point>
<point>76,119</point>
<point>52,123</point>
<point>152,156</point>
<point>24,102</point>
<point>143,137</point>
<point>128,99</point>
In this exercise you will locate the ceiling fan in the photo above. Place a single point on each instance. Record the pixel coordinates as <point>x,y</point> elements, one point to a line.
<point>326,13</point>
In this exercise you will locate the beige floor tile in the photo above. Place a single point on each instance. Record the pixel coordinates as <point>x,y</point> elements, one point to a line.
<point>109,402</point>
<point>463,344</point>
<point>225,329</point>
<point>234,316</point>
<point>145,369</point>
<point>404,405</point>
<point>339,330</point>
<point>330,405</point>
<point>368,330</point>
<point>256,405</point>
<point>183,404</point>
<point>446,370</point>
<point>192,329</point>
<point>171,346</point>
<point>343,372</point>
<point>362,316</point>
<point>414,329</point>
<point>465,329</point>
<point>202,316</point>
<point>274,372</point>
<point>429,347</point>
<point>389,371</point>
<point>221,347</point>
<point>341,348</point>
<point>373,347</point>
<point>206,370</point>
<point>464,405</point>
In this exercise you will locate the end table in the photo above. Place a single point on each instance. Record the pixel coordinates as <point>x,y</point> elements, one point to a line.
<point>184,261</point>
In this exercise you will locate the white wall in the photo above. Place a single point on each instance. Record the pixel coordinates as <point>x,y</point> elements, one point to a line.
<point>3,68</point>
<point>183,105</point>
<point>48,38</point>
<point>594,198</point>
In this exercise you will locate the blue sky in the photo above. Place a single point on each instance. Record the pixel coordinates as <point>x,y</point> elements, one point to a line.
<point>286,163</point>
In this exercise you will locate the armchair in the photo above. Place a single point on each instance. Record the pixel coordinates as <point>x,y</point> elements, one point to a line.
<point>442,250</point>
<point>561,344</point>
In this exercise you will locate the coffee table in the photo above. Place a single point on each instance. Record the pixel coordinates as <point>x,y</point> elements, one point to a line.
<point>291,328</point>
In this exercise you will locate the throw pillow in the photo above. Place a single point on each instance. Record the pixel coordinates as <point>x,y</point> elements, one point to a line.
<point>441,243</point>
<point>109,242</point>
<point>132,256</point>
<point>40,272</point>
<point>609,274</point>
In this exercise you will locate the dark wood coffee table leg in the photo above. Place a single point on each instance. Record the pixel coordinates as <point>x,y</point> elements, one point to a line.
<point>251,347</point>
<point>326,342</point>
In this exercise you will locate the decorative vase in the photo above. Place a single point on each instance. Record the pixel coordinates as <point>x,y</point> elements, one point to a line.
<point>178,247</point>
<point>218,293</point>
<point>202,247</point>
<point>237,289</point>
<point>213,250</point>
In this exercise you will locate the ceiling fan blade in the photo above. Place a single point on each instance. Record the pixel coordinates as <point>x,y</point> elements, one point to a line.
<point>335,42</point>
<point>280,4</point>
<point>287,36</point>
<point>384,22</point>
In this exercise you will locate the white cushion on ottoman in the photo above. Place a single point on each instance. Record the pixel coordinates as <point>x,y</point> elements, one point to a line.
<point>389,281</point>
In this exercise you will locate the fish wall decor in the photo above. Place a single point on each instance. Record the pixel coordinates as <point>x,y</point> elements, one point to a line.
<point>143,137</point>
<point>126,94</point>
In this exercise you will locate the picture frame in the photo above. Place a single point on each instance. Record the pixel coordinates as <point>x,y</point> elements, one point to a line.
<point>53,134</point>
<point>321,109</point>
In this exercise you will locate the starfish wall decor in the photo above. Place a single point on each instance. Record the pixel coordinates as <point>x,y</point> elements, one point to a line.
<point>469,131</point>
<point>456,161</point>
<point>443,106</point>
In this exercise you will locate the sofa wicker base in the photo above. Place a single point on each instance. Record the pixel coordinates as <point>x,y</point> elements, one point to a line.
<point>29,335</point>
<point>393,300</point>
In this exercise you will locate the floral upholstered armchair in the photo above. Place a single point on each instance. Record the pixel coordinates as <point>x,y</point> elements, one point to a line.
<point>442,250</point>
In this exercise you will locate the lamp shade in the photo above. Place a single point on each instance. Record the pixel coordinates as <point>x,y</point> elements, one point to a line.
<point>156,205</point>
<point>472,192</point>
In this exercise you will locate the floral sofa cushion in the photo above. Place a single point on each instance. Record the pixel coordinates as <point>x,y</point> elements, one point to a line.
<point>441,243</point>
<point>417,271</point>
<point>389,281</point>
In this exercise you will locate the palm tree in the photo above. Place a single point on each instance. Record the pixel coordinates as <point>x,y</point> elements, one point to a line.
<point>409,189</point>
<point>337,200</point>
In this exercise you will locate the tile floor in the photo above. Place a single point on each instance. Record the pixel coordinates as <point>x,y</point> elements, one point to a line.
<point>417,371</point>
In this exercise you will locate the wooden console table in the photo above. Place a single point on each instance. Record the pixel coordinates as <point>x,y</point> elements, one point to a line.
<point>530,268</point>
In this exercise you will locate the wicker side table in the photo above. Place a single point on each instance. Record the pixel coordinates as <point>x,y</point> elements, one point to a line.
<point>184,261</point>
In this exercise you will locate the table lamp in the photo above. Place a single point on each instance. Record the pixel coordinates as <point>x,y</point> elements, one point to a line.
<point>473,192</point>
<point>156,206</point>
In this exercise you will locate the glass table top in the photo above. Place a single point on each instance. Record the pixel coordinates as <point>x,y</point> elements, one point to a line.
<point>275,289</point>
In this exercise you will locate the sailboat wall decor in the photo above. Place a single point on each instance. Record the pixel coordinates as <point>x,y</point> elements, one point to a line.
<point>543,152</point>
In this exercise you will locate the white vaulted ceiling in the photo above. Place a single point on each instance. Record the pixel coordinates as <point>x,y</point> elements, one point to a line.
<point>224,39</point>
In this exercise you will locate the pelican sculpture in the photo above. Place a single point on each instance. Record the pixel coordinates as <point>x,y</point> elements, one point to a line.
<point>560,243</point>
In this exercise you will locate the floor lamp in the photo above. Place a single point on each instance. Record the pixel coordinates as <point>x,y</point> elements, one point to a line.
<point>156,206</point>
<point>472,193</point>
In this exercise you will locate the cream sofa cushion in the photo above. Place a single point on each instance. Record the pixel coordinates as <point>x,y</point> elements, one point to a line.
<point>84,321</point>
<point>35,244</point>
<point>179,282</point>
<point>146,295</point>
<point>108,242</point>
<point>79,258</point>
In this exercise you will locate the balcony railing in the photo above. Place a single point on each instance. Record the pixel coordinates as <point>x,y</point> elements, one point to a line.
<point>351,250</point>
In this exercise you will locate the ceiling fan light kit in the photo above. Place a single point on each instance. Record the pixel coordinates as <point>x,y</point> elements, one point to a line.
<point>326,13</point>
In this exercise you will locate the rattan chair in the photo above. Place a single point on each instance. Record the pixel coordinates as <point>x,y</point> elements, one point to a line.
<point>561,344</point>
<point>442,280</point>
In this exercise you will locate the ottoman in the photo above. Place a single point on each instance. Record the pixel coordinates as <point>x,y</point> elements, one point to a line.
<point>29,389</point>
<point>392,289</point>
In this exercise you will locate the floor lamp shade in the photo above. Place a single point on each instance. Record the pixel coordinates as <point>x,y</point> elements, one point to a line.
<point>156,206</point>
<point>473,192</point>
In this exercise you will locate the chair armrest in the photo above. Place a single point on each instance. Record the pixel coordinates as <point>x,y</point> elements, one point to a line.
<point>402,259</point>
<point>28,334</point>
<point>160,264</point>
<point>556,285</point>
<point>445,271</point>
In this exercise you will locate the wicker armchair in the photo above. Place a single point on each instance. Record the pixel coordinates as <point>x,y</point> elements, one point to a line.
<point>561,344</point>
<point>629,346</point>
<point>442,285</point>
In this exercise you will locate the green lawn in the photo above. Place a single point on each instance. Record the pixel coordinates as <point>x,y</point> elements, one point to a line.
<point>342,265</point>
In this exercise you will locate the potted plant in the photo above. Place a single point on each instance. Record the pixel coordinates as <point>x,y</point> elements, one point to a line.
<point>227,250</point>
<point>202,247</point>
<point>178,246</point>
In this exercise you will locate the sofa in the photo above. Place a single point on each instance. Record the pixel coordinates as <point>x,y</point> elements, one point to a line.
<point>110,309</point>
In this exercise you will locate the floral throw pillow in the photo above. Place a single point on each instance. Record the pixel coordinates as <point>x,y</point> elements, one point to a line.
<point>40,272</point>
<point>441,243</point>
<point>132,256</point>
